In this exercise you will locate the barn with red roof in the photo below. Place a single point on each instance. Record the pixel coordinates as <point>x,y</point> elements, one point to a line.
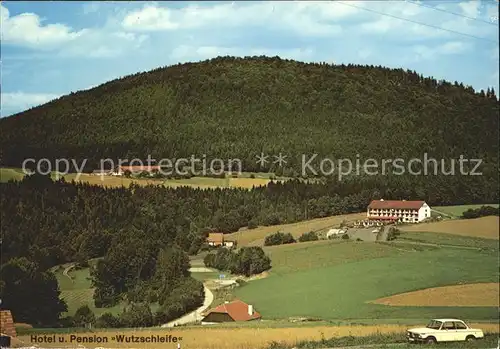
<point>231,312</point>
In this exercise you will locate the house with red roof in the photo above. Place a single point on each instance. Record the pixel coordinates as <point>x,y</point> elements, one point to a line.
<point>231,312</point>
<point>398,211</point>
<point>217,239</point>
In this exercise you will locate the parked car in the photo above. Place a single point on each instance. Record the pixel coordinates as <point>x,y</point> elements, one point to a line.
<point>444,330</point>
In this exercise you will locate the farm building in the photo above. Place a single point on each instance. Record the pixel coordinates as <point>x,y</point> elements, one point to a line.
<point>217,239</point>
<point>122,170</point>
<point>230,312</point>
<point>398,211</point>
<point>7,323</point>
<point>335,232</point>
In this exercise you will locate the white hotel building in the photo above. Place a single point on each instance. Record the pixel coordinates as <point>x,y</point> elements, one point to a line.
<point>398,211</point>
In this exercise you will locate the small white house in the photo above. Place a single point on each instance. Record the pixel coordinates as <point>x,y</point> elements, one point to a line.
<point>335,232</point>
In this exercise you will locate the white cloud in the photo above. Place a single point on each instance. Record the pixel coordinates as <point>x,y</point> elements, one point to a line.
<point>305,18</point>
<point>470,8</point>
<point>423,52</point>
<point>410,21</point>
<point>27,30</point>
<point>23,101</point>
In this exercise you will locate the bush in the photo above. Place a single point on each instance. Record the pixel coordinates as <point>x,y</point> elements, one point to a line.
<point>252,224</point>
<point>247,261</point>
<point>279,239</point>
<point>108,320</point>
<point>358,239</point>
<point>392,234</point>
<point>345,237</point>
<point>481,212</point>
<point>83,317</point>
<point>137,315</point>
<point>311,236</point>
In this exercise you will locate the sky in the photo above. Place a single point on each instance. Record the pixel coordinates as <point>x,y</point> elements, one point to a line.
<point>50,49</point>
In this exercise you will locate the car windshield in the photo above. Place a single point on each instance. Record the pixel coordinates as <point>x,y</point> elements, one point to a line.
<point>435,325</point>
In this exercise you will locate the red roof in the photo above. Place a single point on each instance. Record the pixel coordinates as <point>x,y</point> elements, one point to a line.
<point>237,310</point>
<point>139,168</point>
<point>396,204</point>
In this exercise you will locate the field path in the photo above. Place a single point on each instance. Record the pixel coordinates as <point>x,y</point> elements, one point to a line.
<point>196,314</point>
<point>66,271</point>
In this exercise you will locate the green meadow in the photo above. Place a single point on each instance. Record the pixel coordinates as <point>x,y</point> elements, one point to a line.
<point>333,281</point>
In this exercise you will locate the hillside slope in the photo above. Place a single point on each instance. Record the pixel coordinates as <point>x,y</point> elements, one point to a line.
<point>237,107</point>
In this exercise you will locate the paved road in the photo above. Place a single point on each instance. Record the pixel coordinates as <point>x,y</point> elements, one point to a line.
<point>194,315</point>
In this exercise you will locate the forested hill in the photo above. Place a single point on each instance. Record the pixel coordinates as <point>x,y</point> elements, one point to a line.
<point>239,107</point>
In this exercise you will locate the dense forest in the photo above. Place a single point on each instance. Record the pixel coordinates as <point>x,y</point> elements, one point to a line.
<point>231,107</point>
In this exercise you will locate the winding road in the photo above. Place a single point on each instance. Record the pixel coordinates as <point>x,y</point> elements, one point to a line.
<point>194,315</point>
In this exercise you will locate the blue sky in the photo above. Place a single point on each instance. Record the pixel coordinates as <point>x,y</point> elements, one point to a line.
<point>50,49</point>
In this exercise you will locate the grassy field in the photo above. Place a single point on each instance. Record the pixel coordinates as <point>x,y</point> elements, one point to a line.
<point>243,181</point>
<point>470,295</point>
<point>448,239</point>
<point>78,291</point>
<point>457,211</point>
<point>484,227</point>
<point>341,278</point>
<point>7,174</point>
<point>319,254</point>
<point>255,237</point>
<point>252,337</point>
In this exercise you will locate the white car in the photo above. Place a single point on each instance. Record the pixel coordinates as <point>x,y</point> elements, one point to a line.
<point>444,330</point>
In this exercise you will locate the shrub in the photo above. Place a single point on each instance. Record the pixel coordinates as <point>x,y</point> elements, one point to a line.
<point>311,236</point>
<point>481,212</point>
<point>83,317</point>
<point>345,237</point>
<point>137,315</point>
<point>252,224</point>
<point>279,239</point>
<point>108,320</point>
<point>392,234</point>
<point>247,261</point>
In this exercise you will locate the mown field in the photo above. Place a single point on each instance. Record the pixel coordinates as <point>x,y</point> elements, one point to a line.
<point>484,227</point>
<point>333,281</point>
<point>256,237</point>
<point>469,295</point>
<point>257,336</point>
<point>457,211</point>
<point>243,181</point>
<point>78,291</point>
